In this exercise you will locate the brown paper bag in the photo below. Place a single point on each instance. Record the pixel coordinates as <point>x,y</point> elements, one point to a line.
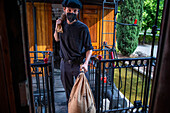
<point>59,27</point>
<point>81,97</point>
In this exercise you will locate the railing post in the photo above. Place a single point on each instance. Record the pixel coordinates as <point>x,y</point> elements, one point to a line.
<point>52,86</point>
<point>145,99</point>
<point>97,87</point>
<point>148,82</point>
<point>52,81</point>
<point>47,85</point>
<point>51,71</point>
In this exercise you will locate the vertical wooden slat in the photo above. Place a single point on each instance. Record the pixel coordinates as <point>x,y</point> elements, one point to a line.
<point>4,108</point>
<point>30,28</point>
<point>15,60</point>
<point>42,21</point>
<point>94,22</point>
<point>50,27</point>
<point>8,99</point>
<point>91,17</point>
<point>108,26</point>
<point>38,24</point>
<point>44,26</point>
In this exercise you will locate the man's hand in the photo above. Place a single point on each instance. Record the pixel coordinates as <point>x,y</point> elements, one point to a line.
<point>55,33</point>
<point>85,67</point>
<point>58,21</point>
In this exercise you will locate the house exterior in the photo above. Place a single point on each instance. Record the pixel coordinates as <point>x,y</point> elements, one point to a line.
<point>91,15</point>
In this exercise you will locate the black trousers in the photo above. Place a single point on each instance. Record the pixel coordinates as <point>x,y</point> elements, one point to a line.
<point>69,71</point>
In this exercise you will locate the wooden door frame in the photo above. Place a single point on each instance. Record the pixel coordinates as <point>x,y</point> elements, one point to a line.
<point>15,55</point>
<point>93,7</point>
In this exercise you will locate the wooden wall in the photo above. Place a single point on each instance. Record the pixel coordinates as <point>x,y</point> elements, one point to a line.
<point>44,26</point>
<point>91,15</point>
<point>108,27</point>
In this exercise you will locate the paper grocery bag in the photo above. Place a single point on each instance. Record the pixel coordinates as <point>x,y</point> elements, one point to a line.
<point>81,98</point>
<point>59,27</point>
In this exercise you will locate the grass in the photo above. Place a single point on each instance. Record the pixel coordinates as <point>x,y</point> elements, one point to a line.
<point>137,79</point>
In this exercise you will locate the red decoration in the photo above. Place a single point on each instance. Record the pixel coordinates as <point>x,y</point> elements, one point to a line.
<point>112,57</point>
<point>105,79</point>
<point>135,22</point>
<point>45,60</point>
<point>100,57</point>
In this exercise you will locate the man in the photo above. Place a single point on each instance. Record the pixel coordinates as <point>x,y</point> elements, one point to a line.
<point>73,41</point>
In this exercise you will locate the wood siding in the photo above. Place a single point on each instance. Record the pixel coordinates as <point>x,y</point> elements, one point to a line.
<point>108,27</point>
<point>44,26</point>
<point>91,15</point>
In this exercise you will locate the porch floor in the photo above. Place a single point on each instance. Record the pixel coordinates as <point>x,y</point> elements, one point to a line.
<point>59,93</point>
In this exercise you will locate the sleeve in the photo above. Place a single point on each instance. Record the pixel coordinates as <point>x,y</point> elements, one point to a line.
<point>87,40</point>
<point>59,36</point>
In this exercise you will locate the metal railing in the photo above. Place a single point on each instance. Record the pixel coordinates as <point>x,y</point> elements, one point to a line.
<point>42,81</point>
<point>107,52</point>
<point>38,56</point>
<point>121,85</point>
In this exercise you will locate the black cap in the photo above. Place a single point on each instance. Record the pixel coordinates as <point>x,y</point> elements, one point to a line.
<point>73,4</point>
<point>64,3</point>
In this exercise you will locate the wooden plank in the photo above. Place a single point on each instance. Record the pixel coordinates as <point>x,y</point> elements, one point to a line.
<point>50,28</point>
<point>50,36</point>
<point>44,26</point>
<point>15,62</point>
<point>38,24</point>
<point>41,25</point>
<point>4,107</point>
<point>30,28</point>
<point>91,19</point>
<point>8,99</point>
<point>108,27</point>
<point>92,16</point>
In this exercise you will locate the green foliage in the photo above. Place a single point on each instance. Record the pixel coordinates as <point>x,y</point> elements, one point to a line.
<point>148,39</point>
<point>139,8</point>
<point>127,36</point>
<point>149,14</point>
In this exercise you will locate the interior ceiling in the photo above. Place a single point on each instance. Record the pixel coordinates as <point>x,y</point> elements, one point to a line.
<point>88,2</point>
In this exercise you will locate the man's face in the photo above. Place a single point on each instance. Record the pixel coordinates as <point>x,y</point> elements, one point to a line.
<point>71,10</point>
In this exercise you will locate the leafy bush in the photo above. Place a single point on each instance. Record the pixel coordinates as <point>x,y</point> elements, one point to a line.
<point>127,36</point>
<point>148,39</point>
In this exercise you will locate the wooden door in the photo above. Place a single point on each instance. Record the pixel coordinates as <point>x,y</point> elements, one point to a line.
<point>108,27</point>
<point>43,24</point>
<point>91,17</point>
<point>15,95</point>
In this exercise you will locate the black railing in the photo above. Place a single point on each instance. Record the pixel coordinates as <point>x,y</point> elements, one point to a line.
<point>107,52</point>
<point>42,81</point>
<point>38,56</point>
<point>121,85</point>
